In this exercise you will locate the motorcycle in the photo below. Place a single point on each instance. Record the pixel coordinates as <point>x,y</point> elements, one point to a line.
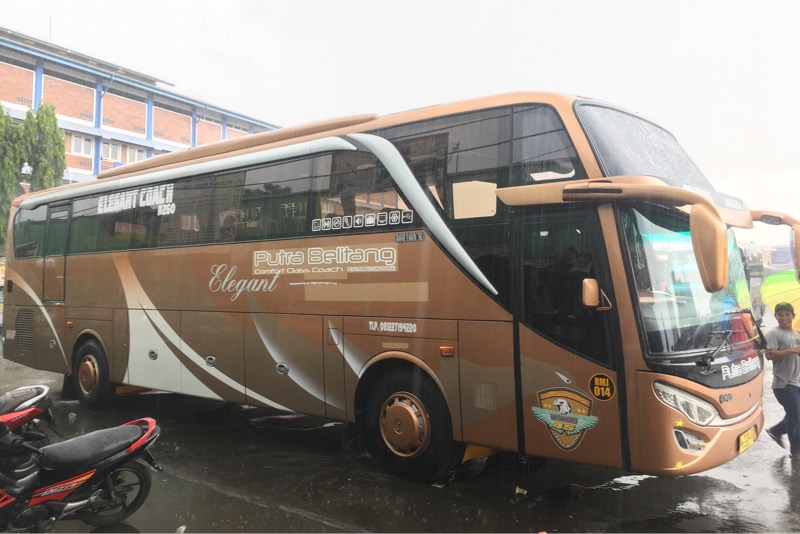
<point>23,409</point>
<point>100,478</point>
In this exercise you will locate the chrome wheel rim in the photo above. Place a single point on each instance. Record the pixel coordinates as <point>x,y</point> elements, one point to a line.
<point>88,374</point>
<point>405,425</point>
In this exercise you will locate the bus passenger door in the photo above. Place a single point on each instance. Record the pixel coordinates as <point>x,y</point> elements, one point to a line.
<point>54,250</point>
<point>50,350</point>
<point>570,354</point>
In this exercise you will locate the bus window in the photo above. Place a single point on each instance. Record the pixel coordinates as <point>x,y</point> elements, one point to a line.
<point>557,256</point>
<point>56,243</point>
<point>114,229</point>
<point>190,224</point>
<point>29,232</point>
<point>358,186</point>
<point>275,200</point>
<point>542,150</point>
<point>453,154</point>
<point>358,193</point>
<point>226,217</point>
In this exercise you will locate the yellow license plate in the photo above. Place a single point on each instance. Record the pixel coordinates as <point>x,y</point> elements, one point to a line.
<point>746,440</point>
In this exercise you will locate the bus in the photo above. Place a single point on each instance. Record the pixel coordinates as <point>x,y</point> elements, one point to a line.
<point>494,274</point>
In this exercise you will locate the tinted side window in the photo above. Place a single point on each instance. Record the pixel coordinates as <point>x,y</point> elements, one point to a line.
<point>460,161</point>
<point>104,230</point>
<point>193,221</point>
<point>29,227</point>
<point>557,256</point>
<point>227,217</point>
<point>354,192</point>
<point>56,242</point>
<point>543,151</point>
<point>275,201</point>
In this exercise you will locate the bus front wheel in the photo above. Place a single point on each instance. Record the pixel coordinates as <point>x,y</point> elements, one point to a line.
<point>91,378</point>
<point>410,422</point>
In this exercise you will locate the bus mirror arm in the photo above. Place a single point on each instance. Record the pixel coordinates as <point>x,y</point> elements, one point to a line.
<point>594,297</point>
<point>776,219</point>
<point>708,229</point>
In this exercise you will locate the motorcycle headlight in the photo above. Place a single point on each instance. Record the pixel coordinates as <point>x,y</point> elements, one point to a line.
<point>695,409</point>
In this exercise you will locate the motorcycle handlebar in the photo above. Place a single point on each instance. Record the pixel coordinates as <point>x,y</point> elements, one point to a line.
<point>10,441</point>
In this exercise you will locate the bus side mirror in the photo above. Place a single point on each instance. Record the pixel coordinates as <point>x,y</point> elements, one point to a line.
<point>708,230</point>
<point>594,297</point>
<point>710,244</point>
<point>776,219</point>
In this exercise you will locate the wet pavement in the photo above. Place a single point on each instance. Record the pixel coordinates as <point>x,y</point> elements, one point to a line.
<point>230,468</point>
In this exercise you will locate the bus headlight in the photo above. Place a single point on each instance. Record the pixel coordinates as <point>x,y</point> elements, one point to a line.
<point>695,409</point>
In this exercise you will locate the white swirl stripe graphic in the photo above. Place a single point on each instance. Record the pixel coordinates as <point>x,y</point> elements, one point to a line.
<point>295,376</point>
<point>22,284</point>
<point>138,299</point>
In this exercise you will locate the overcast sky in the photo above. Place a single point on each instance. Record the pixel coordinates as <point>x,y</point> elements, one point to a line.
<point>723,75</point>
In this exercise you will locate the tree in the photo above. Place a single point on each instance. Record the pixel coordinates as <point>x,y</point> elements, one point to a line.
<point>37,142</point>
<point>41,145</point>
<point>9,170</point>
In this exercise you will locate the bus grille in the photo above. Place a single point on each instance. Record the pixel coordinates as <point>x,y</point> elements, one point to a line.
<point>24,325</point>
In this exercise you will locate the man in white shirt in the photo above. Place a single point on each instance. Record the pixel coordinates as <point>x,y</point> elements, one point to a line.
<point>783,348</point>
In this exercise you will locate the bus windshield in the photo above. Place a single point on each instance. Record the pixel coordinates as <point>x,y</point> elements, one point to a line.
<point>678,314</point>
<point>626,144</point>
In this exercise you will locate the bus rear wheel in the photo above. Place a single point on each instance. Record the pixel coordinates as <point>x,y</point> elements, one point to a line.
<point>409,420</point>
<point>91,377</point>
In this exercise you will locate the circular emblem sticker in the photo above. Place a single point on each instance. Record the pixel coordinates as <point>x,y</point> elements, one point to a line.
<point>602,387</point>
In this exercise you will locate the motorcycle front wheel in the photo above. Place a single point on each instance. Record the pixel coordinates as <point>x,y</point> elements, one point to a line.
<point>119,495</point>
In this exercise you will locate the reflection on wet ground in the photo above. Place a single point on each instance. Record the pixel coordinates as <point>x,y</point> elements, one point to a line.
<point>231,468</point>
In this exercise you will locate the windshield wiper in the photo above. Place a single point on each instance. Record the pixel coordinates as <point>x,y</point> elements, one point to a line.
<point>707,359</point>
<point>762,339</point>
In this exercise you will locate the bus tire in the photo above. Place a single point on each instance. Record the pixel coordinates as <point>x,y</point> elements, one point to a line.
<point>408,418</point>
<point>91,377</point>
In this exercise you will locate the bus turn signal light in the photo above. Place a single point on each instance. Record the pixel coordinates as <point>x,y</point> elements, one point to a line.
<point>447,352</point>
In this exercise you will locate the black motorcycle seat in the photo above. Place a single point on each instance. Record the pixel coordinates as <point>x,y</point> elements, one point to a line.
<point>10,400</point>
<point>84,451</point>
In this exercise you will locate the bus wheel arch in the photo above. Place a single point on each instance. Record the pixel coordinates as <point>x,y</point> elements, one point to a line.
<point>404,415</point>
<point>91,374</point>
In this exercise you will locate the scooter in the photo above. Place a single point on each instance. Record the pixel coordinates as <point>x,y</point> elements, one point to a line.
<point>24,409</point>
<point>100,478</point>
